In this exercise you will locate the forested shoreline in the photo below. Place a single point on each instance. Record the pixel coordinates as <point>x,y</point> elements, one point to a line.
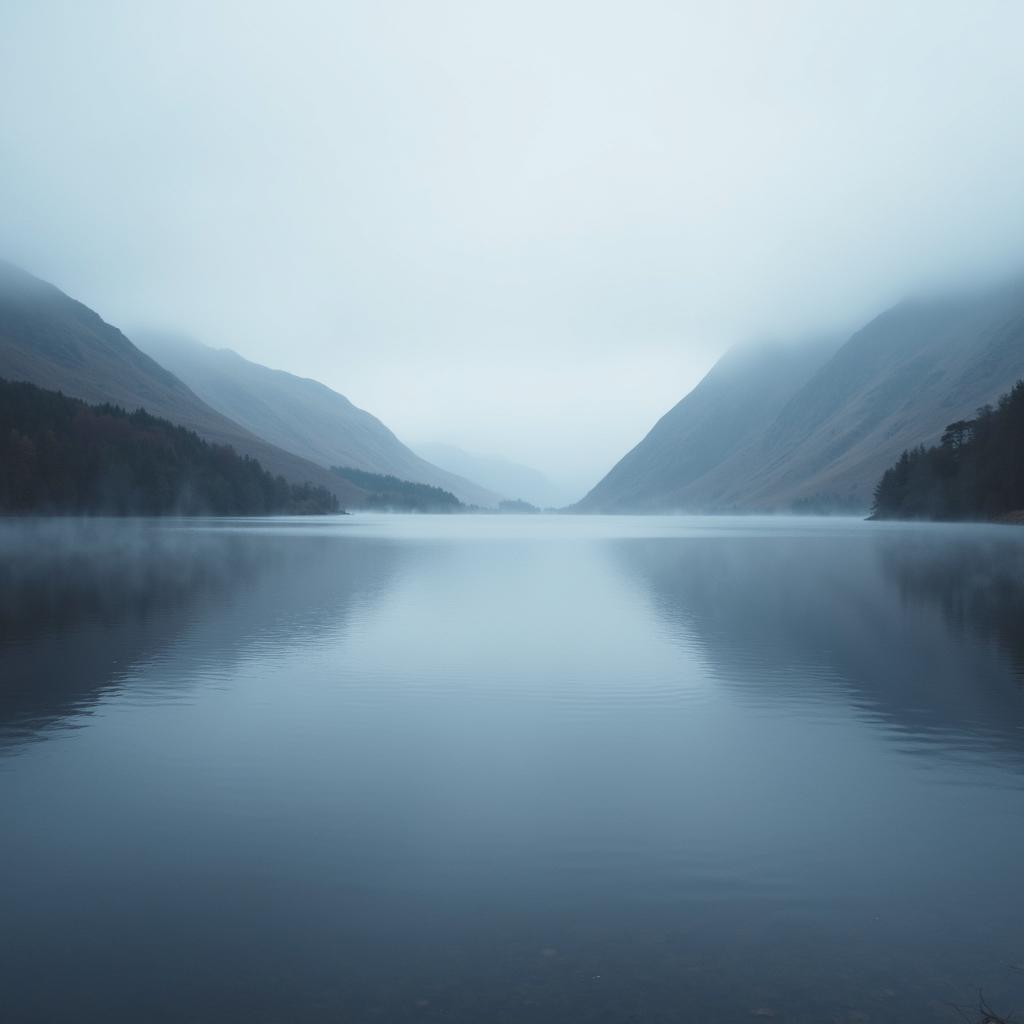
<point>61,455</point>
<point>386,493</point>
<point>975,472</point>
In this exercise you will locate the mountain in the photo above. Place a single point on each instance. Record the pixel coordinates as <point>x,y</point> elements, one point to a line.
<point>300,415</point>
<point>56,343</point>
<point>725,416</point>
<point>814,427</point>
<point>497,474</point>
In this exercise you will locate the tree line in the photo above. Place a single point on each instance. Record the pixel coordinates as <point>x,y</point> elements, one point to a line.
<point>975,472</point>
<point>62,455</point>
<point>386,493</point>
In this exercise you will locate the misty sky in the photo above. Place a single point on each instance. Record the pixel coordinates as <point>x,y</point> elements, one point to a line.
<point>523,228</point>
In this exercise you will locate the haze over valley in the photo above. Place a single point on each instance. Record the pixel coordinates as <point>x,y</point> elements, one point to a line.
<point>525,243</point>
<point>807,426</point>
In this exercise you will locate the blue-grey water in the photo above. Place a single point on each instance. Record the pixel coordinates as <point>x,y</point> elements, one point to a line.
<point>500,769</point>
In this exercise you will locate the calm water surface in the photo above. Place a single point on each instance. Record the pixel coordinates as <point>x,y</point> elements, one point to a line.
<point>506,769</point>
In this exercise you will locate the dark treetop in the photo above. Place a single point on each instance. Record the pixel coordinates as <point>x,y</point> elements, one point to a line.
<point>975,472</point>
<point>58,454</point>
<point>389,493</point>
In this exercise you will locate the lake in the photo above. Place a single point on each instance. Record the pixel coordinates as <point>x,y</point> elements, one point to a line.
<point>510,769</point>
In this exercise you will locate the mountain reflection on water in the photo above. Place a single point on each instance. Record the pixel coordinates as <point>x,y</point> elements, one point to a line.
<point>85,602</point>
<point>509,769</point>
<point>921,626</point>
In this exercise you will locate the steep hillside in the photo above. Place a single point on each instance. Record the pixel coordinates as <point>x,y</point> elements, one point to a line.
<point>816,431</point>
<point>728,412</point>
<point>49,339</point>
<point>895,384</point>
<point>300,415</point>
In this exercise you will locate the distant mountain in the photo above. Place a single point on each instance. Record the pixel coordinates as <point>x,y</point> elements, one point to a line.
<point>300,415</point>
<point>503,476</point>
<point>814,427</point>
<point>54,342</point>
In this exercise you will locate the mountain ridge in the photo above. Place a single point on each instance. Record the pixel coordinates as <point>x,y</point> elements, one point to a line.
<point>300,414</point>
<point>58,343</point>
<point>717,421</point>
<point>894,383</point>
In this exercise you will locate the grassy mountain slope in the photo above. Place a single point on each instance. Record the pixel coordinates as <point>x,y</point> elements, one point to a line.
<point>300,415</point>
<point>722,418</point>
<point>816,430</point>
<point>49,339</point>
<point>895,384</point>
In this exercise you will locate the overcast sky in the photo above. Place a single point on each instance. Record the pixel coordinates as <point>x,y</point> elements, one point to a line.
<point>523,228</point>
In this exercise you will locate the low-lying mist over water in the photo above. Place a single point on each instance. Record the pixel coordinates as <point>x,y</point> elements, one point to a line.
<point>511,513</point>
<point>509,769</point>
